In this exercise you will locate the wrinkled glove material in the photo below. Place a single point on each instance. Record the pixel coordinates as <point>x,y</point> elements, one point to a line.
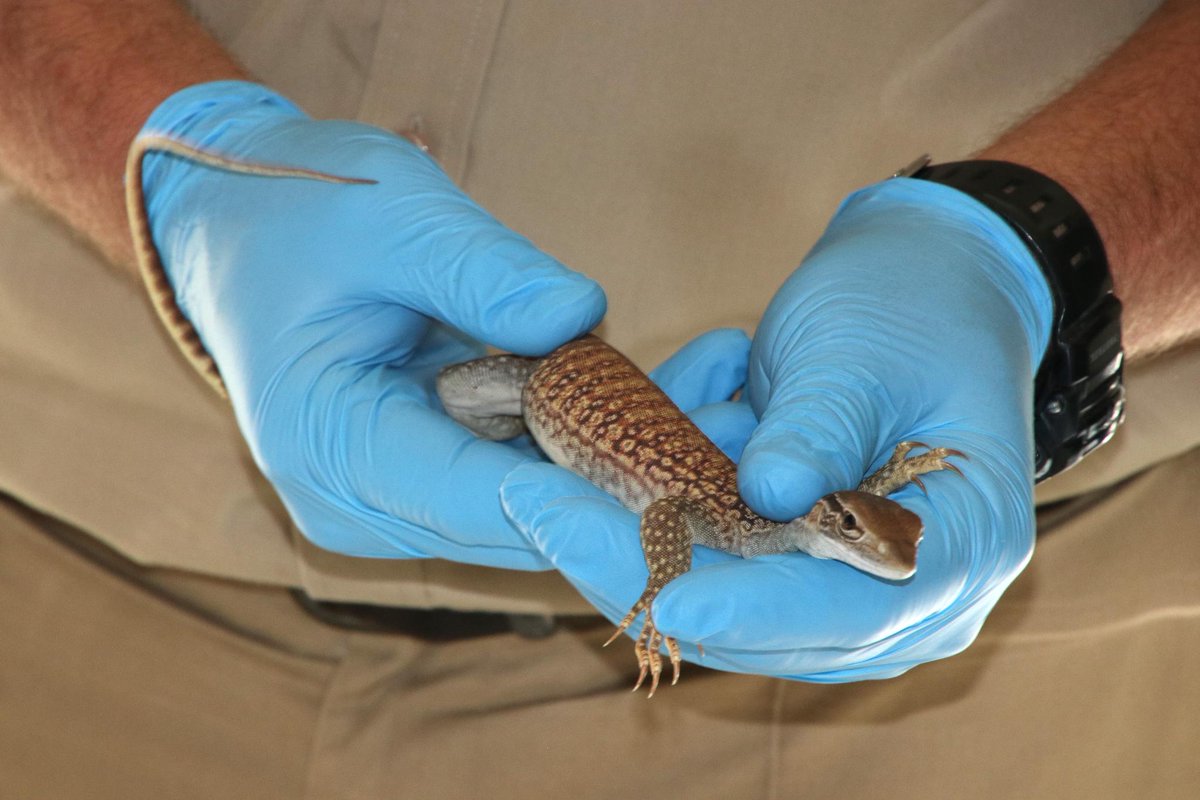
<point>330,308</point>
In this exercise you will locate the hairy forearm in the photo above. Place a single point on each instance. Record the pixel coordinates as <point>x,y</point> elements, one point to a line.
<point>77,80</point>
<point>1126,142</point>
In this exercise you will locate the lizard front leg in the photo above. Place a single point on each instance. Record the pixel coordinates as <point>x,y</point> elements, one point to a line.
<point>901,470</point>
<point>668,529</point>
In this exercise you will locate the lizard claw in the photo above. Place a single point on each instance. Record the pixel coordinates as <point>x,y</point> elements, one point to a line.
<point>676,659</point>
<point>935,459</point>
<point>652,647</point>
<point>902,469</point>
<point>649,658</point>
<point>625,623</point>
<point>642,676</point>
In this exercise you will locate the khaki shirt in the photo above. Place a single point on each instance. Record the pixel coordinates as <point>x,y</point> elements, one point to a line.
<point>677,152</point>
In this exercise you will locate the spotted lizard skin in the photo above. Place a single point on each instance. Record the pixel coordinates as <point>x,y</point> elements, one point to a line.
<point>603,418</point>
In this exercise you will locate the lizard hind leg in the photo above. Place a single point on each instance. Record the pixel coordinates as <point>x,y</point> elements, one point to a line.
<point>668,529</point>
<point>484,395</point>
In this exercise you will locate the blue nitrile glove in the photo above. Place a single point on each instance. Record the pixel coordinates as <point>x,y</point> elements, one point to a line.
<point>918,316</point>
<point>329,309</point>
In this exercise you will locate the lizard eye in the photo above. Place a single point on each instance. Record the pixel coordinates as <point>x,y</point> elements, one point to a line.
<point>848,527</point>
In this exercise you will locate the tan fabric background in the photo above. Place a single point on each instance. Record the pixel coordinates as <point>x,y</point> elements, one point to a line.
<point>164,684</point>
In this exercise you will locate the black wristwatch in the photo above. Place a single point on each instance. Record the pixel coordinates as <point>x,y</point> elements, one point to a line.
<point>1079,396</point>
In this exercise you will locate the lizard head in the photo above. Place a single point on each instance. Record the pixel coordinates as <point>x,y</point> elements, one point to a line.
<point>868,532</point>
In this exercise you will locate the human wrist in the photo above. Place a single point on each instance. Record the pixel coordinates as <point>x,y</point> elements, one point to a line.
<point>76,81</point>
<point>1122,142</point>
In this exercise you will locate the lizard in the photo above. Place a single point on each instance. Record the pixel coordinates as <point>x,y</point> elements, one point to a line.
<point>593,411</point>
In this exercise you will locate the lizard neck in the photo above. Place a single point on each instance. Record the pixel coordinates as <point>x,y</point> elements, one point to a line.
<point>783,537</point>
<point>867,532</point>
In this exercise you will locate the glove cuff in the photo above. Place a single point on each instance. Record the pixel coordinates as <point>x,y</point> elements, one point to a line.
<point>183,110</point>
<point>1079,396</point>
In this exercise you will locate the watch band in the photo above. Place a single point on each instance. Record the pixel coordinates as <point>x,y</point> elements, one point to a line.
<point>1079,394</point>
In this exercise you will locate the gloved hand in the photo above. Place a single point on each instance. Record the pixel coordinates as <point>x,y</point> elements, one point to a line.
<point>330,308</point>
<point>919,315</point>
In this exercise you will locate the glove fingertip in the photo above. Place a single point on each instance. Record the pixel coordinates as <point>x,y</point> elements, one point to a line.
<point>781,478</point>
<point>682,618</point>
<point>525,491</point>
<point>718,344</point>
<point>529,489</point>
<point>586,537</point>
<point>480,277</point>
<point>534,302</point>
<point>709,368</point>
<point>545,312</point>
<point>729,425</point>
